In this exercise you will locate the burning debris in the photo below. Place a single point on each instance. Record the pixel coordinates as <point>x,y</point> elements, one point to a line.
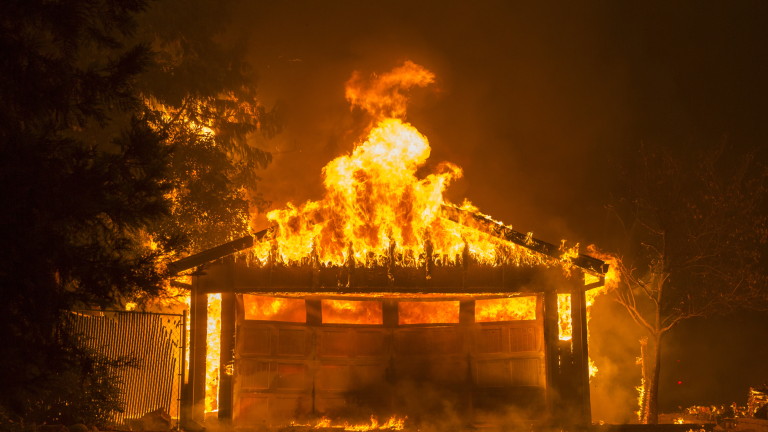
<point>757,402</point>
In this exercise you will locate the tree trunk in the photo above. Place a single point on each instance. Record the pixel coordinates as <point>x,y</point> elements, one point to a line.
<point>653,397</point>
<point>653,367</point>
<point>643,361</point>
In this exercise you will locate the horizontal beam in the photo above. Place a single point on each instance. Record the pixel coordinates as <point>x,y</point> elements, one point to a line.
<point>503,232</point>
<point>217,252</point>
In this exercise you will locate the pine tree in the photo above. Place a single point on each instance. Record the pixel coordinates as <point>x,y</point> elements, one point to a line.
<point>81,173</point>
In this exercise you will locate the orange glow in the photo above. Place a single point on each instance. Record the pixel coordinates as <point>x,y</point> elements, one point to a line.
<point>434,312</point>
<point>612,277</point>
<point>213,353</point>
<point>351,312</point>
<point>565,323</point>
<point>266,308</point>
<point>505,309</point>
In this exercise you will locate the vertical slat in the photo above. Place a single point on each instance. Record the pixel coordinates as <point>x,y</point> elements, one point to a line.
<point>153,339</point>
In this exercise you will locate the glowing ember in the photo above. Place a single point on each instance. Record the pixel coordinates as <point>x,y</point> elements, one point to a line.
<point>418,312</point>
<point>351,312</point>
<point>505,309</point>
<point>213,354</point>
<point>274,308</point>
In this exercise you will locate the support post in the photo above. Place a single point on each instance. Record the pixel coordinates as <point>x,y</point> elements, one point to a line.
<point>391,318</point>
<point>197,351</point>
<point>580,351</point>
<point>226,364</point>
<point>551,352</point>
<point>467,323</point>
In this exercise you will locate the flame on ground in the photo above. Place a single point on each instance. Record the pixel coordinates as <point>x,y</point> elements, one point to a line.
<point>392,423</point>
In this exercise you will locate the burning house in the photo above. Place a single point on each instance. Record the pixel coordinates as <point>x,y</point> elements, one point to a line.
<point>381,302</point>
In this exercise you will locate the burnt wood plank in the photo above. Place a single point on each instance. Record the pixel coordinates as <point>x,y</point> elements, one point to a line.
<point>217,252</point>
<point>498,230</point>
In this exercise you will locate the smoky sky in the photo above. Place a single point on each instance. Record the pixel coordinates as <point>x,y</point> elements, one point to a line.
<point>537,102</point>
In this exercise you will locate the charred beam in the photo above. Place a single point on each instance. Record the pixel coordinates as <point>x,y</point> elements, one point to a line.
<point>197,352</point>
<point>551,354</point>
<point>498,230</point>
<point>581,400</point>
<point>228,317</point>
<point>217,252</point>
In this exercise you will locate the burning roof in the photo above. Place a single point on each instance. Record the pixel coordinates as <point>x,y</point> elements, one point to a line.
<point>377,210</point>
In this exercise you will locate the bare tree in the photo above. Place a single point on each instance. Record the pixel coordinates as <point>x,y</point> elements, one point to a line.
<point>695,230</point>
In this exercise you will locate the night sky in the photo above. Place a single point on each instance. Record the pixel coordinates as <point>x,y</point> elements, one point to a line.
<point>539,104</point>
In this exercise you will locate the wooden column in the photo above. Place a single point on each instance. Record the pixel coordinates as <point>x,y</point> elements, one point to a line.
<point>314,319</point>
<point>314,312</point>
<point>552,362</point>
<point>583,410</point>
<point>198,332</point>
<point>389,309</point>
<point>226,364</point>
<point>467,323</point>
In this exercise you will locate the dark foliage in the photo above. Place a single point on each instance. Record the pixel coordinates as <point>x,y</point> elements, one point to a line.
<point>120,121</point>
<point>203,99</point>
<point>81,173</point>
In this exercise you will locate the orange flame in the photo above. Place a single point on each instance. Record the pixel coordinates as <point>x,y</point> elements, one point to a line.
<point>267,308</point>
<point>213,353</point>
<point>505,309</point>
<point>564,317</point>
<point>428,312</point>
<point>383,96</point>
<point>373,201</point>
<point>375,206</point>
<point>393,423</point>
